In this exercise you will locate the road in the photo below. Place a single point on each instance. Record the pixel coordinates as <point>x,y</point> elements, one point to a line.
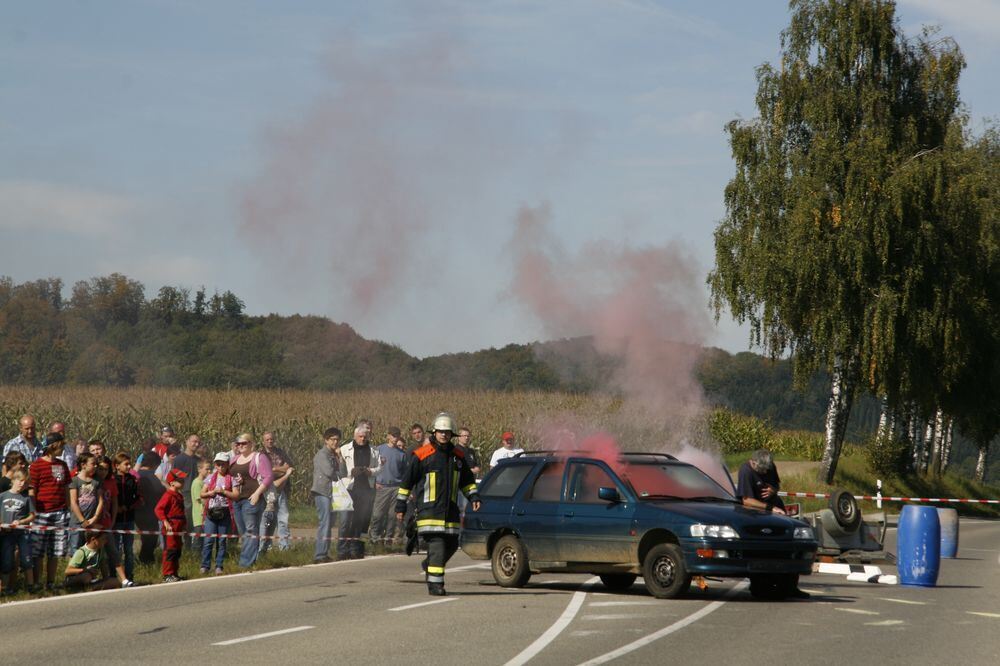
<point>360,611</point>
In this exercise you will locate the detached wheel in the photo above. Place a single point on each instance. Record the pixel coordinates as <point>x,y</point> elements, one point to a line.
<point>618,582</point>
<point>845,509</point>
<point>510,562</point>
<point>664,572</point>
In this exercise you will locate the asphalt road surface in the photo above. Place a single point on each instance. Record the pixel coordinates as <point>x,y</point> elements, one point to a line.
<point>377,611</point>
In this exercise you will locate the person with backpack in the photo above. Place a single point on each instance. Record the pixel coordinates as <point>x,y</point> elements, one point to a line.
<point>251,472</point>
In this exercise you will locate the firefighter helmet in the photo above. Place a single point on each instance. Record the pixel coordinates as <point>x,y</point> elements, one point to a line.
<point>444,423</point>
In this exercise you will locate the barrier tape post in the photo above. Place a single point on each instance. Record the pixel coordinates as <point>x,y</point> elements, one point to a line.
<point>878,493</point>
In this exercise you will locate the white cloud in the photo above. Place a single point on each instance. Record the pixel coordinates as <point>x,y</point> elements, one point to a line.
<point>40,206</point>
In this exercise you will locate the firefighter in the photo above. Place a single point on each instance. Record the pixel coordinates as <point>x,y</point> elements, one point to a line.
<point>442,470</point>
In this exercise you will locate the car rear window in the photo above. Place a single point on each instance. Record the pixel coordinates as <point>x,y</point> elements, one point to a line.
<point>506,480</point>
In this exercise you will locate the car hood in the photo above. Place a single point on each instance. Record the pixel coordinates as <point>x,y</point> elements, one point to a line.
<point>721,513</point>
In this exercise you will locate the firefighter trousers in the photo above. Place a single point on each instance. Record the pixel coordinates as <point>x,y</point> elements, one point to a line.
<point>440,548</point>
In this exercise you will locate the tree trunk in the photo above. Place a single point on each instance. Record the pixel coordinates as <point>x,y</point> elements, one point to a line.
<point>984,450</point>
<point>841,397</point>
<point>937,442</point>
<point>917,437</point>
<point>886,422</point>
<point>946,451</point>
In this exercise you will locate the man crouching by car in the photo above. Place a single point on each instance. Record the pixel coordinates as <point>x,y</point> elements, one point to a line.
<point>757,488</point>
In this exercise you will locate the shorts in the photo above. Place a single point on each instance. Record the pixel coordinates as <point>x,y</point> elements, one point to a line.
<point>52,543</point>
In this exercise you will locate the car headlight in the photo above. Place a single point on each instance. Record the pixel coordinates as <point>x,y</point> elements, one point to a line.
<point>714,532</point>
<point>804,533</point>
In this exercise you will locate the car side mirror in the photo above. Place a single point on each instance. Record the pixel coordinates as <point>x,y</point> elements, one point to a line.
<point>609,494</point>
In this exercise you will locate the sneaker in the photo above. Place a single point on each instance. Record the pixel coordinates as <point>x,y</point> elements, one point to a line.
<point>322,560</point>
<point>219,571</point>
<point>128,583</point>
<point>203,570</point>
<point>171,579</point>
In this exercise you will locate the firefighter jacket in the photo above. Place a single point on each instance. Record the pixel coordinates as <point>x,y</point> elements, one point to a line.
<point>442,471</point>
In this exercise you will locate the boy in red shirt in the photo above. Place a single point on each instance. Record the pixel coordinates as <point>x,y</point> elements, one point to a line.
<point>49,479</point>
<point>170,511</point>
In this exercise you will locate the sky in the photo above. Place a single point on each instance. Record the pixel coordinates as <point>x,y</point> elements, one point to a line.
<point>370,161</point>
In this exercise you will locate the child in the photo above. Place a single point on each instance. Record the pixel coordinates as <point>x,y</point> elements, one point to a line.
<point>16,508</point>
<point>147,446</point>
<point>167,463</point>
<point>109,490</point>
<point>84,569</point>
<point>86,500</point>
<point>129,498</point>
<point>14,461</point>
<point>218,496</point>
<point>151,490</point>
<point>197,507</point>
<point>170,511</point>
<point>48,478</point>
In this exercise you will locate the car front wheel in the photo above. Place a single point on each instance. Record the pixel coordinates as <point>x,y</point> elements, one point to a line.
<point>664,572</point>
<point>510,562</point>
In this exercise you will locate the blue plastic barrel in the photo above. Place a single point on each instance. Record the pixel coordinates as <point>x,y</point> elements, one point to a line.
<point>919,546</point>
<point>948,518</point>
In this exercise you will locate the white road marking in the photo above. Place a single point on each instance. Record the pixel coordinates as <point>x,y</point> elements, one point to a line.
<point>884,623</point>
<point>983,614</point>
<point>208,579</point>
<point>423,603</point>
<point>613,616</point>
<point>904,601</point>
<point>575,602</point>
<point>596,604</point>
<point>586,632</point>
<point>858,611</point>
<point>481,565</point>
<point>666,631</point>
<point>981,550</point>
<point>257,637</point>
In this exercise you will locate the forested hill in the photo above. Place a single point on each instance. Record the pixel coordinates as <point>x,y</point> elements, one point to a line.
<point>107,332</point>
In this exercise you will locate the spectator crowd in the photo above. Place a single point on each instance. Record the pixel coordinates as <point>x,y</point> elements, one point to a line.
<point>71,504</point>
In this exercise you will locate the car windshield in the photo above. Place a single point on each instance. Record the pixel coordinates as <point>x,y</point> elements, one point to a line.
<point>673,481</point>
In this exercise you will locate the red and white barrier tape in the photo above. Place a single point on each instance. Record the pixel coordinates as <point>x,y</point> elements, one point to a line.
<point>231,535</point>
<point>886,498</point>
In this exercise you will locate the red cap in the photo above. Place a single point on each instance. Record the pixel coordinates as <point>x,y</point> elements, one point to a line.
<point>507,436</point>
<point>176,475</point>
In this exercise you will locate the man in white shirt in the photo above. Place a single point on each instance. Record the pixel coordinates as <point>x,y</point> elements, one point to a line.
<point>508,449</point>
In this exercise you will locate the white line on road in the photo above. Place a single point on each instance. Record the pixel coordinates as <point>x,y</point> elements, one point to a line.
<point>980,550</point>
<point>256,637</point>
<point>858,611</point>
<point>424,603</point>
<point>904,601</point>
<point>610,616</point>
<point>550,634</point>
<point>596,604</point>
<point>884,623</point>
<point>983,614</point>
<point>680,624</point>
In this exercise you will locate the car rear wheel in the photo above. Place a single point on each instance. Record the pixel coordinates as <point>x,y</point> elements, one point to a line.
<point>618,581</point>
<point>664,572</point>
<point>510,562</point>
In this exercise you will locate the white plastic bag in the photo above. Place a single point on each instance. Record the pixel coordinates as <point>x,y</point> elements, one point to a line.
<point>340,499</point>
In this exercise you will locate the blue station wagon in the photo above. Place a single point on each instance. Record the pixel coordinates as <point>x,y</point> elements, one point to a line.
<point>646,515</point>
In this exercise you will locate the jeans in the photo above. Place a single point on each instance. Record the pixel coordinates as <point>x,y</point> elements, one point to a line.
<point>247,524</point>
<point>221,530</point>
<point>323,512</point>
<point>126,544</point>
<point>276,519</point>
<point>19,539</point>
<point>384,524</point>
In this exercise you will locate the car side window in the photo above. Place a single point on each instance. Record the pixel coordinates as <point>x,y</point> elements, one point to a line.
<point>584,481</point>
<point>505,481</point>
<point>548,485</point>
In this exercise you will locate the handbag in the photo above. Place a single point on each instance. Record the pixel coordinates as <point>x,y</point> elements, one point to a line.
<point>340,498</point>
<point>218,513</point>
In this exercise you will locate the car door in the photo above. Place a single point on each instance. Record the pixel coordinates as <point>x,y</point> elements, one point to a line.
<point>592,529</point>
<point>535,515</point>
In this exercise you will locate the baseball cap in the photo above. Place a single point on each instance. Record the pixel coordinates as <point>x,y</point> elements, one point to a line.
<point>507,436</point>
<point>221,456</point>
<point>176,475</point>
<point>166,430</point>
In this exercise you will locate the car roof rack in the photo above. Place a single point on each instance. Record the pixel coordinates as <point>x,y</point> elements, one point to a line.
<point>628,454</point>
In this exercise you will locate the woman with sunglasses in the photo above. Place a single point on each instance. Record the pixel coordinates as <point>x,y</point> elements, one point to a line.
<point>251,474</point>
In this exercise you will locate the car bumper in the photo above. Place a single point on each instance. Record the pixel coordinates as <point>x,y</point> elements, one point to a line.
<point>743,558</point>
<point>474,545</point>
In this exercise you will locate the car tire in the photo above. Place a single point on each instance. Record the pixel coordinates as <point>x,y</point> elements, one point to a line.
<point>510,562</point>
<point>845,509</point>
<point>664,571</point>
<point>618,582</point>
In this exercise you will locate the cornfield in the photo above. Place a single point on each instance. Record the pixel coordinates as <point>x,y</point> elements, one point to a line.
<point>122,418</point>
